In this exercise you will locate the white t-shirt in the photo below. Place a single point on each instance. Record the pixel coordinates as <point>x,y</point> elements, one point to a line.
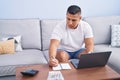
<point>72,39</point>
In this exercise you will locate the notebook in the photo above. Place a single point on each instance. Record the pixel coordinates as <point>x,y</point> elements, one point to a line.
<point>95,59</point>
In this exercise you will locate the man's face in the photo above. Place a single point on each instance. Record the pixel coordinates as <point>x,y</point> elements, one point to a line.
<point>73,20</point>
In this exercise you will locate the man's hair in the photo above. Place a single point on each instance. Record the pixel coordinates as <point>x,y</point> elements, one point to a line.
<point>74,9</point>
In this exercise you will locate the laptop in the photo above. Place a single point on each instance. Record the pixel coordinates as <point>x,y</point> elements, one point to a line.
<point>95,59</point>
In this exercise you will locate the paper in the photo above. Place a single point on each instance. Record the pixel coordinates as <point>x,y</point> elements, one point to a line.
<point>62,66</point>
<point>65,66</point>
<point>58,67</point>
<point>55,75</point>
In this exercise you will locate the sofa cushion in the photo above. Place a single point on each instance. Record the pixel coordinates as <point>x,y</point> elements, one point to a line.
<point>115,35</point>
<point>28,56</point>
<point>8,62</point>
<point>47,28</point>
<point>7,47</point>
<point>46,54</point>
<point>18,45</point>
<point>29,29</point>
<point>101,27</point>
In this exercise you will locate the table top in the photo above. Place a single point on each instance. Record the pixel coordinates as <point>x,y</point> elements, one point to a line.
<point>95,73</point>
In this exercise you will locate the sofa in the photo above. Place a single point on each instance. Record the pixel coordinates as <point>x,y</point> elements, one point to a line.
<point>35,40</point>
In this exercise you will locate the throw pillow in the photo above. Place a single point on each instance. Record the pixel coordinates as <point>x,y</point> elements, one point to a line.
<point>17,39</point>
<point>115,35</point>
<point>7,46</point>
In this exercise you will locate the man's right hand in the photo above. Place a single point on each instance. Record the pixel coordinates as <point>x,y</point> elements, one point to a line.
<point>53,62</point>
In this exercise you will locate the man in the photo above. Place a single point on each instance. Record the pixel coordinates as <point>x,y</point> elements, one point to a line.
<point>70,38</point>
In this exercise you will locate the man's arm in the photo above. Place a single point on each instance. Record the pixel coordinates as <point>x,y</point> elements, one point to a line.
<point>52,52</point>
<point>89,45</point>
<point>53,47</point>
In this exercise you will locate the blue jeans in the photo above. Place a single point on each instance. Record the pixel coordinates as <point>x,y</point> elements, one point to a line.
<point>74,55</point>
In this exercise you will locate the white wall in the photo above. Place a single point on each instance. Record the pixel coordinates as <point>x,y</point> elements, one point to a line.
<point>56,9</point>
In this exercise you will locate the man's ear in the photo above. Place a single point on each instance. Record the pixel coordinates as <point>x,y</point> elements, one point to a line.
<point>80,17</point>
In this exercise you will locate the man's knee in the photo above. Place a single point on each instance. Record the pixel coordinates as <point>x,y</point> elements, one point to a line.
<point>62,56</point>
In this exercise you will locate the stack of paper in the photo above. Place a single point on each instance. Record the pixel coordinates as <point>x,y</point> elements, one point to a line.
<point>55,75</point>
<point>62,66</point>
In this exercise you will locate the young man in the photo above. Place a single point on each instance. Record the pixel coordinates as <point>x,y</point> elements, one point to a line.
<point>70,38</point>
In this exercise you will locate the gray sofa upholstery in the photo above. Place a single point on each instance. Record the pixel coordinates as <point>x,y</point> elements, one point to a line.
<point>30,31</point>
<point>36,38</point>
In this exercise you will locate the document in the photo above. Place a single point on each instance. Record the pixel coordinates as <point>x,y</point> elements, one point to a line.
<point>62,66</point>
<point>55,75</point>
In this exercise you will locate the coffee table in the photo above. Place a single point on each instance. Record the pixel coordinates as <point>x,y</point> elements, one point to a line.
<point>96,73</point>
